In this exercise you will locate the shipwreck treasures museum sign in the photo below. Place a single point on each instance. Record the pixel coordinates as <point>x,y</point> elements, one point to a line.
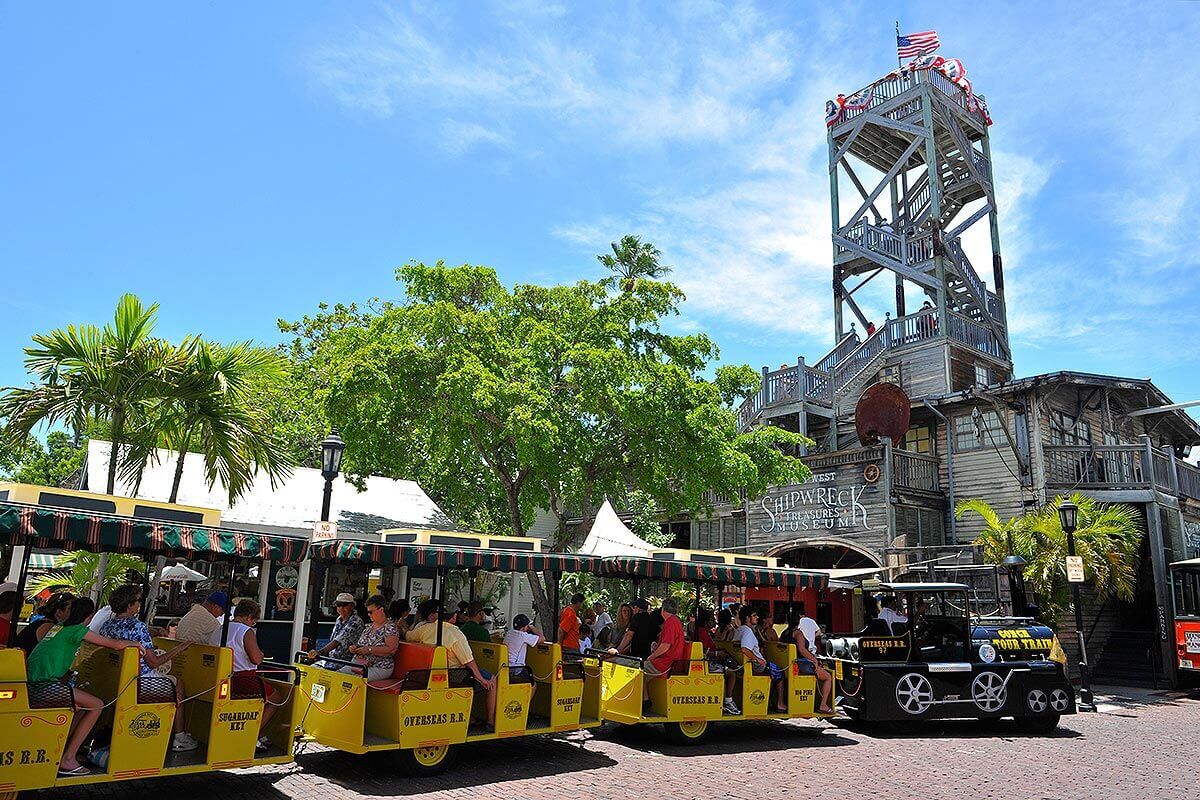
<point>847,502</point>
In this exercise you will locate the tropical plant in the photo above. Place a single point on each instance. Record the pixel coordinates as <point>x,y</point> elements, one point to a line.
<point>115,374</point>
<point>75,572</point>
<point>1107,540</point>
<point>214,408</point>
<point>631,259</point>
<point>54,463</point>
<point>644,524</point>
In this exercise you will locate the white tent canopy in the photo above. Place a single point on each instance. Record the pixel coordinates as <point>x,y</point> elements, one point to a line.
<point>611,537</point>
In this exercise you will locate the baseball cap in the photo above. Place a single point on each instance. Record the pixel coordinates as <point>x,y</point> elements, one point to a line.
<point>219,599</point>
<point>344,597</point>
<point>520,622</point>
<point>640,603</point>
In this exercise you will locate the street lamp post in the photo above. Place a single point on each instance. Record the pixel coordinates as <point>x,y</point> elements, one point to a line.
<point>1068,517</point>
<point>332,448</point>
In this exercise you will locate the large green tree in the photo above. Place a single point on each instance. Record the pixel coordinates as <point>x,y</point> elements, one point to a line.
<point>502,401</point>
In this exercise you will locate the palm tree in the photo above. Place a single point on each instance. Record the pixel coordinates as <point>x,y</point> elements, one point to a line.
<point>631,259</point>
<point>75,572</point>
<point>215,409</point>
<point>114,374</point>
<point>1107,540</point>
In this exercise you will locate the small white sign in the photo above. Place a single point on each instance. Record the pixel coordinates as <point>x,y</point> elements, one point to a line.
<point>318,692</point>
<point>1075,569</point>
<point>324,531</point>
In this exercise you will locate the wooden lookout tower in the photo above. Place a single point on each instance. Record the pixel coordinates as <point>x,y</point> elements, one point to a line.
<point>910,179</point>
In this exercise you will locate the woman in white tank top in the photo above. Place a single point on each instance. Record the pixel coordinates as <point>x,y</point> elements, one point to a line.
<point>241,639</point>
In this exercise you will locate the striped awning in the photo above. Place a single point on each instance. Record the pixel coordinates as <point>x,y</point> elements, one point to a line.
<point>690,571</point>
<point>42,527</point>
<point>409,555</point>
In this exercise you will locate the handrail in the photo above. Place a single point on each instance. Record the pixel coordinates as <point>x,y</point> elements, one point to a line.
<point>830,360</point>
<point>914,471</point>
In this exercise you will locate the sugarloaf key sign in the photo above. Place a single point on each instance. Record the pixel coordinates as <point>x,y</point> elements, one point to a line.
<point>846,500</point>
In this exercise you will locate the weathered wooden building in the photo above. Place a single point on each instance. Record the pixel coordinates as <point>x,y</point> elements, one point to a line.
<point>914,147</point>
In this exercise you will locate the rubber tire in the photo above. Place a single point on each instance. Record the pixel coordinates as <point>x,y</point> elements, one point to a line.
<point>678,732</point>
<point>1042,725</point>
<point>417,764</point>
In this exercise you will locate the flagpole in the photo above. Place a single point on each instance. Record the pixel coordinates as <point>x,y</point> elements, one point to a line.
<point>899,61</point>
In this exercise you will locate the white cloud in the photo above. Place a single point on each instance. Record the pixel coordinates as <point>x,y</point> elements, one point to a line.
<point>459,137</point>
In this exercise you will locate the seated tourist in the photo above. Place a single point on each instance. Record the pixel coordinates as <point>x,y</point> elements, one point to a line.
<point>568,624</point>
<point>458,650</point>
<point>52,659</point>
<point>126,602</point>
<point>53,612</point>
<point>888,613</point>
<point>347,629</point>
<point>806,661</point>
<point>376,645</point>
<point>472,627</point>
<point>727,624</point>
<point>8,610</point>
<point>766,627</point>
<point>706,626</point>
<point>668,650</point>
<point>748,641</point>
<point>247,656</point>
<point>203,622</point>
<point>518,641</point>
<point>398,613</point>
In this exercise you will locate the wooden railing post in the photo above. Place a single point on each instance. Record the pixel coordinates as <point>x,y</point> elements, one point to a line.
<point>1148,461</point>
<point>1172,471</point>
<point>763,389</point>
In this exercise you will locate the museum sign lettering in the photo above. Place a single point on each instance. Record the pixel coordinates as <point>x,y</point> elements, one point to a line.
<point>845,500</point>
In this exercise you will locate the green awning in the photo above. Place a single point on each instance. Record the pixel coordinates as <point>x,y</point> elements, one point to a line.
<point>47,528</point>
<point>414,555</point>
<point>690,571</point>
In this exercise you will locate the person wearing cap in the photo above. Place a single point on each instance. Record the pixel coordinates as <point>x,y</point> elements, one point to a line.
<point>347,629</point>
<point>202,623</point>
<point>8,609</point>
<point>518,641</point>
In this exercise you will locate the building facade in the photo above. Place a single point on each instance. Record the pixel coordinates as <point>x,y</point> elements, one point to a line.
<point>913,154</point>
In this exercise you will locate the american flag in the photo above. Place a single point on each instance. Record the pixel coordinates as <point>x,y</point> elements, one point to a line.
<point>916,44</point>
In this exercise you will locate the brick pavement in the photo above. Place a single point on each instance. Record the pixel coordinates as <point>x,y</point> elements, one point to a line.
<point>1138,747</point>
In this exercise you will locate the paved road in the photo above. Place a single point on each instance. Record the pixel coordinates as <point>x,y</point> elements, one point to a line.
<point>1141,745</point>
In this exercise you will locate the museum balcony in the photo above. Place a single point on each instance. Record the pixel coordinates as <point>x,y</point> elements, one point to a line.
<point>1120,467</point>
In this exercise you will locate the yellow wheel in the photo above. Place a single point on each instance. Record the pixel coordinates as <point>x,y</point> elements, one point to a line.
<point>693,732</point>
<point>429,759</point>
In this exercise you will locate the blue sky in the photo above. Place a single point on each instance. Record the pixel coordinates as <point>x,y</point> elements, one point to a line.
<point>242,162</point>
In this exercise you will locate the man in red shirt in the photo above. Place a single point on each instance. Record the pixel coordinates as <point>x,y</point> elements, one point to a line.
<point>568,624</point>
<point>670,648</point>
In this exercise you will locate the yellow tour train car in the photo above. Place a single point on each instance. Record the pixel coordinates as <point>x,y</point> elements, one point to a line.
<point>428,703</point>
<point>139,710</point>
<point>687,699</point>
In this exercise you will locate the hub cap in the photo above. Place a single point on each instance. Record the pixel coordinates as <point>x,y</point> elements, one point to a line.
<point>914,694</point>
<point>988,691</point>
<point>1037,701</point>
<point>1059,700</point>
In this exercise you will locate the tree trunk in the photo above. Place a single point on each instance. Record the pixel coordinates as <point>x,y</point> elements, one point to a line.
<point>183,448</point>
<point>541,602</point>
<point>114,447</point>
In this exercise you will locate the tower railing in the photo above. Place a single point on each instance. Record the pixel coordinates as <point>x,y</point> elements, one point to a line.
<point>971,333</point>
<point>899,82</point>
